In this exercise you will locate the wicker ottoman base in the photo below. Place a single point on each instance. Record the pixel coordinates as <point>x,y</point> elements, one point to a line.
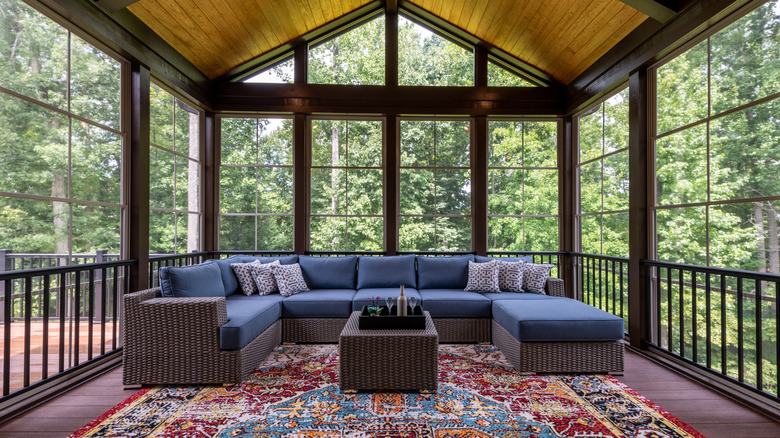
<point>312,330</point>
<point>559,357</point>
<point>392,360</point>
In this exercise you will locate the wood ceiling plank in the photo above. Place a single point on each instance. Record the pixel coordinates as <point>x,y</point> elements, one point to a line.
<point>492,11</point>
<point>294,23</point>
<point>515,27</point>
<point>327,10</point>
<point>457,8</point>
<point>472,24</point>
<point>315,6</point>
<point>534,31</point>
<point>173,31</point>
<point>622,23</point>
<point>465,14</point>
<point>258,19</point>
<point>248,21</point>
<point>277,18</point>
<point>561,33</point>
<point>446,9</point>
<point>226,26</point>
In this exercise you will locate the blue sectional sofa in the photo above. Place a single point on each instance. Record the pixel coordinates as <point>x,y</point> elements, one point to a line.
<point>199,327</point>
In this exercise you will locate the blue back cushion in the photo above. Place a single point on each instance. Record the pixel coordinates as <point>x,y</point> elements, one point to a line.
<point>201,280</point>
<point>329,272</point>
<point>483,259</point>
<point>392,271</point>
<point>443,272</point>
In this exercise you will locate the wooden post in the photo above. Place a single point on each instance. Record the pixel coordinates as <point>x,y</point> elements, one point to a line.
<point>300,185</point>
<point>391,178</point>
<point>138,181</point>
<point>6,264</point>
<point>210,183</point>
<point>566,202</point>
<point>638,220</point>
<point>479,186</point>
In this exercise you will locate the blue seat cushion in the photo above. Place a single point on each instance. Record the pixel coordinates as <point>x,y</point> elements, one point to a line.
<point>229,279</point>
<point>443,272</point>
<point>493,296</point>
<point>391,271</point>
<point>365,297</point>
<point>247,316</point>
<point>556,319</point>
<point>329,272</point>
<point>483,259</point>
<point>319,303</point>
<point>455,303</point>
<point>202,280</point>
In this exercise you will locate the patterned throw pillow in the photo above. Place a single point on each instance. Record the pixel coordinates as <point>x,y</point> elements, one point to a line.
<point>510,276</point>
<point>245,275</point>
<point>264,278</point>
<point>483,277</point>
<point>289,278</point>
<point>535,277</point>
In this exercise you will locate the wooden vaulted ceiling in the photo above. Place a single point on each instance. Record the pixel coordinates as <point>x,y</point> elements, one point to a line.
<point>560,38</point>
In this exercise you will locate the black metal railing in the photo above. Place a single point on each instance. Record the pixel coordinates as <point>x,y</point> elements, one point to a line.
<point>722,320</point>
<point>602,281</point>
<point>56,319</point>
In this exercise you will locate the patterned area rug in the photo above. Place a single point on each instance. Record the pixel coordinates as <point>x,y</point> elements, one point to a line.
<point>295,393</point>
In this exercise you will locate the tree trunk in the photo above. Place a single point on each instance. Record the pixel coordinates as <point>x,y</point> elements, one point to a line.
<point>758,212</point>
<point>774,258</point>
<point>60,213</point>
<point>193,195</point>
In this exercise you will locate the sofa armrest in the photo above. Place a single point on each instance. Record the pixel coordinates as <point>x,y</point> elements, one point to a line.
<point>156,325</point>
<point>554,287</point>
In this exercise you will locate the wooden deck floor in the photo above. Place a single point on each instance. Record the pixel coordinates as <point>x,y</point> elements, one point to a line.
<point>708,412</point>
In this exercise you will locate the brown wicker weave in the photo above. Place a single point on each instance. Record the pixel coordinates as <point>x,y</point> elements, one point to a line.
<point>463,330</point>
<point>176,341</point>
<point>394,360</point>
<point>312,330</point>
<point>559,357</point>
<point>555,287</point>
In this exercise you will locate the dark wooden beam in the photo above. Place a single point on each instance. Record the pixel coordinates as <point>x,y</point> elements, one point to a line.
<point>300,184</point>
<point>647,44</point>
<point>566,201</point>
<point>125,34</point>
<point>660,11</point>
<point>210,151</point>
<point>480,66</point>
<point>114,5</point>
<point>367,99</point>
<point>391,45</point>
<point>301,74</point>
<point>137,183</point>
<point>639,225</point>
<point>479,185</point>
<point>392,155</point>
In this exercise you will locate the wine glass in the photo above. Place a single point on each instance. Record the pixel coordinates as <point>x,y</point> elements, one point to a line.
<point>389,301</point>
<point>413,303</point>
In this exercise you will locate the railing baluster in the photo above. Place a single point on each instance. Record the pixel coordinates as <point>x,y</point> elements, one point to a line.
<point>723,316</point>
<point>708,303</point>
<point>694,318</point>
<point>45,346</point>
<point>77,315</point>
<point>669,327</point>
<point>27,328</point>
<point>681,309</point>
<point>91,313</point>
<point>740,331</point>
<point>115,304</point>
<point>63,312</point>
<point>7,309</point>
<point>777,338</point>
<point>759,340</point>
<point>103,308</point>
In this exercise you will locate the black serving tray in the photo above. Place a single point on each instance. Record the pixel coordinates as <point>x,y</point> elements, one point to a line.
<point>414,320</point>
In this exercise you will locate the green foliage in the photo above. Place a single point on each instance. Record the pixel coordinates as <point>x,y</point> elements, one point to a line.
<point>498,76</point>
<point>72,167</point>
<point>427,59</point>
<point>356,57</point>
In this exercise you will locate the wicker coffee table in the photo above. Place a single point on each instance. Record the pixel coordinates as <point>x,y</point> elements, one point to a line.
<point>391,360</point>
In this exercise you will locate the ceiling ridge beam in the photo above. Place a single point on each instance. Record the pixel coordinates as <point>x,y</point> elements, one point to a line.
<point>660,11</point>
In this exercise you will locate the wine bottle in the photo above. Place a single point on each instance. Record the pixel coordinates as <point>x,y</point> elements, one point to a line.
<point>401,303</point>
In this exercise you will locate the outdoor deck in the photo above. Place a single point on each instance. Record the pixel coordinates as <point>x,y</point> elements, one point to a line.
<point>707,411</point>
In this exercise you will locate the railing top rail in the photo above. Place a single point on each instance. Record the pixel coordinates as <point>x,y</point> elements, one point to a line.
<point>760,276</point>
<point>39,272</point>
<point>179,256</point>
<point>558,253</point>
<point>599,256</point>
<point>367,253</point>
<point>435,253</point>
<point>239,252</point>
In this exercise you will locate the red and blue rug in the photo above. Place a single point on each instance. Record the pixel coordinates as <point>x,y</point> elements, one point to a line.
<point>295,393</point>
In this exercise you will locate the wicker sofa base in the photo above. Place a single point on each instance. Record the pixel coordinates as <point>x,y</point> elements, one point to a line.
<point>462,330</point>
<point>210,367</point>
<point>559,357</point>
<point>312,330</point>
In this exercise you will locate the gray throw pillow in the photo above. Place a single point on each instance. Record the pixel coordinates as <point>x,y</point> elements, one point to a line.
<point>483,277</point>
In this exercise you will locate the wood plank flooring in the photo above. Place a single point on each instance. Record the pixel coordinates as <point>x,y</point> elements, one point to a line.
<point>708,412</point>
